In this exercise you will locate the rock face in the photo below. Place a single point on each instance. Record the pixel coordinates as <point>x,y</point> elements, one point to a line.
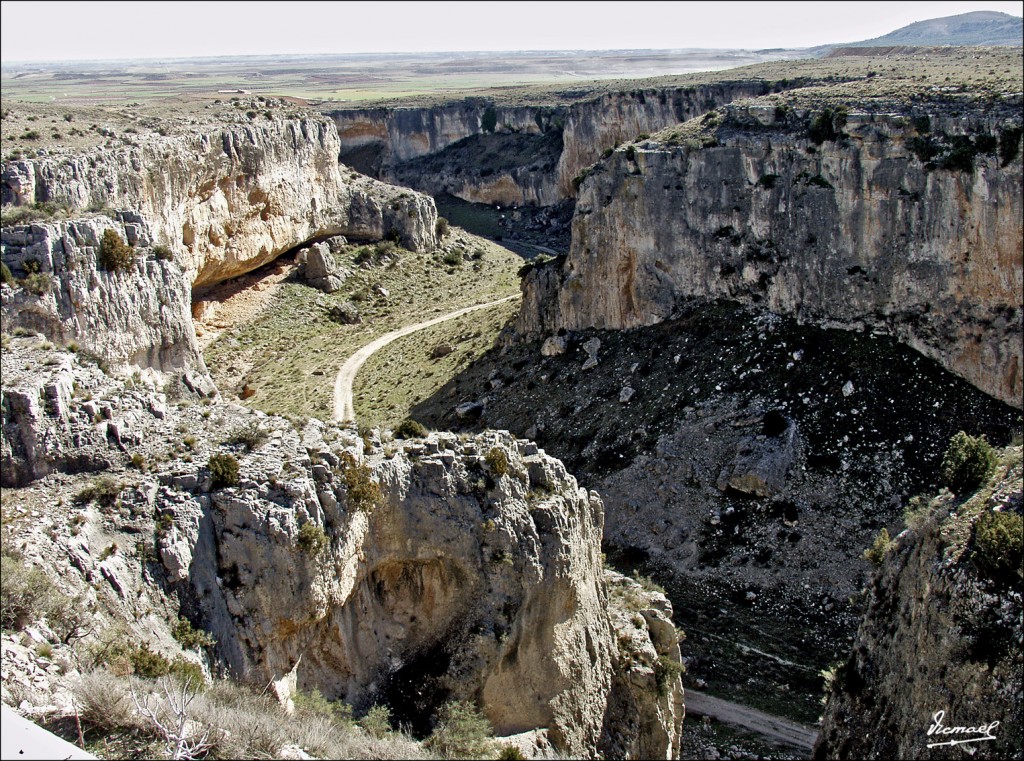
<point>858,233</point>
<point>942,633</point>
<point>139,316</point>
<point>468,568</point>
<point>228,200</point>
<point>487,153</point>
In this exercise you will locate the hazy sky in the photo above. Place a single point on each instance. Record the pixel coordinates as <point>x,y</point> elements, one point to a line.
<point>51,31</point>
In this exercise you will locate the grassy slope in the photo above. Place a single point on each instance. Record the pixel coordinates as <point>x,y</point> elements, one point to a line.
<point>277,353</point>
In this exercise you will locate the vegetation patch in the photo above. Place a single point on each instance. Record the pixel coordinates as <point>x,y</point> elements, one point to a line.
<point>224,470</point>
<point>115,255</point>
<point>968,461</point>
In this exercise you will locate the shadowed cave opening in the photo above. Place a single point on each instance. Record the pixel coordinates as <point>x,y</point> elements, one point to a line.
<point>414,692</point>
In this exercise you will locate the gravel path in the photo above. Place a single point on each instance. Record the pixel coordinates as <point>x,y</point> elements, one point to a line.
<point>773,727</point>
<point>343,407</point>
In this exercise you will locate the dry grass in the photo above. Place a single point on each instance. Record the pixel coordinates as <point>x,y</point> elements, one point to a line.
<point>408,371</point>
<point>240,723</point>
<point>278,352</point>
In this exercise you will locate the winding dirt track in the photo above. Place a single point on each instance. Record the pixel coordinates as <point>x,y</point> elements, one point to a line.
<point>343,407</point>
<point>773,727</point>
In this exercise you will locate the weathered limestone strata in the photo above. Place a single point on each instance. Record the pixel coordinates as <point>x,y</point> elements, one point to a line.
<point>940,634</point>
<point>137,317</point>
<point>478,584</point>
<point>393,142</point>
<point>858,233</point>
<point>229,200</point>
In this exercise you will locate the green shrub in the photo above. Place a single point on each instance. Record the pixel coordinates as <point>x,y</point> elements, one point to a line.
<point>138,461</point>
<point>5,275</point>
<point>967,463</point>
<point>827,125</point>
<point>997,548</point>
<point>377,721</point>
<point>497,461</point>
<point>363,492</point>
<point>115,254</point>
<point>410,429</point>
<point>666,671</point>
<point>441,227</point>
<point>163,253</point>
<point>315,704</point>
<point>875,554</point>
<point>1009,144</point>
<point>224,470</point>
<point>489,120</point>
<point>462,732</point>
<point>250,436</point>
<point>37,283</point>
<point>189,638</point>
<point>452,258</point>
<point>630,153</point>
<point>312,539</point>
<point>23,593</point>
<point>104,491</point>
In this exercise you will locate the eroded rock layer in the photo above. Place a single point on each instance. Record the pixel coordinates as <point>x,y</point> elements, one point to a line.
<point>940,644</point>
<point>854,231</point>
<point>404,573</point>
<point>230,199</point>
<point>488,153</point>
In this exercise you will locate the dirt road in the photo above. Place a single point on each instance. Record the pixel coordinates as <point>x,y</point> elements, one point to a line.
<point>343,408</point>
<point>773,727</point>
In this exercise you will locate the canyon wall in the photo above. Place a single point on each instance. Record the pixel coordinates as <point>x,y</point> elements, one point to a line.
<point>941,633</point>
<point>860,231</point>
<point>230,199</point>
<point>405,573</point>
<point>139,316</point>
<point>487,153</point>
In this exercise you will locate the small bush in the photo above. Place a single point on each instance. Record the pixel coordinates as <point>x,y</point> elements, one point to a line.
<point>224,470</point>
<point>315,704</point>
<point>875,554</point>
<point>104,491</point>
<point>250,436</point>
<point>666,671</point>
<point>1009,144</point>
<point>37,283</point>
<point>410,429</point>
<point>441,227</point>
<point>497,461</point>
<point>138,461</point>
<point>23,593</point>
<point>5,275</point>
<point>189,638</point>
<point>967,463</point>
<point>452,258</point>
<point>462,732</point>
<point>377,721</point>
<point>364,493</point>
<point>997,548</point>
<point>163,253</point>
<point>312,539</point>
<point>115,254</point>
<point>510,753</point>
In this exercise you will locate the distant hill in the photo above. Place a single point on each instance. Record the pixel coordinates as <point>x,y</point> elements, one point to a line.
<point>976,28</point>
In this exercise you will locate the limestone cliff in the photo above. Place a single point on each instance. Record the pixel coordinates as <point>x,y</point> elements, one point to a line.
<point>136,317</point>
<point>405,573</point>
<point>876,225</point>
<point>229,199</point>
<point>942,633</point>
<point>485,152</point>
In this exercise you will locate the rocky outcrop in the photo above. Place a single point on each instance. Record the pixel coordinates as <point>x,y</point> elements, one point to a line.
<point>444,568</point>
<point>230,199</point>
<point>138,316</point>
<point>856,231</point>
<point>484,152</point>
<point>939,646</point>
